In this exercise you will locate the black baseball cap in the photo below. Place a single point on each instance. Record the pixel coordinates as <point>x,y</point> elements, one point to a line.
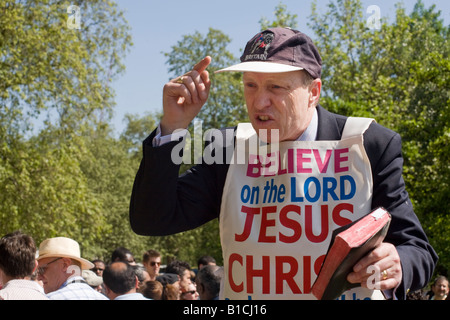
<point>167,278</point>
<point>279,50</point>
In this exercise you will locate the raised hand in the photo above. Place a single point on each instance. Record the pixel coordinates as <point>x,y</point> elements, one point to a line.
<point>183,97</point>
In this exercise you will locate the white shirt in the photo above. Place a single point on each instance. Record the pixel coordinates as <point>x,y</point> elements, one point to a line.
<point>21,289</point>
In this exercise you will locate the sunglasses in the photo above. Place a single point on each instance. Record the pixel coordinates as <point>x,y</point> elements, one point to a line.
<point>153,263</point>
<point>191,292</point>
<point>41,270</point>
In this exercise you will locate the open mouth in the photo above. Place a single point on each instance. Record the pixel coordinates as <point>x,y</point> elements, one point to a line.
<point>263,117</point>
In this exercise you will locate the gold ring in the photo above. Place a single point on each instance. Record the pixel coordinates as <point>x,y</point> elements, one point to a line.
<point>180,80</point>
<point>384,274</point>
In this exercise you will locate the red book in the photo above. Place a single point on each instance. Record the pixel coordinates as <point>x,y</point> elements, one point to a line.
<point>348,245</point>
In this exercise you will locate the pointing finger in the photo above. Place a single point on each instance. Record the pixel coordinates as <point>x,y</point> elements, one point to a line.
<point>202,65</point>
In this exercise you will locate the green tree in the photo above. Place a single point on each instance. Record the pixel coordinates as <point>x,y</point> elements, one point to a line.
<point>136,130</point>
<point>109,168</point>
<point>48,67</point>
<point>399,75</point>
<point>44,191</point>
<point>282,18</point>
<point>57,79</point>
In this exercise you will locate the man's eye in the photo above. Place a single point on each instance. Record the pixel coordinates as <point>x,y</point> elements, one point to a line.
<point>274,86</point>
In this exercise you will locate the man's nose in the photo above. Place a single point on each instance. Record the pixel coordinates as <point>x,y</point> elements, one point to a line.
<point>262,100</point>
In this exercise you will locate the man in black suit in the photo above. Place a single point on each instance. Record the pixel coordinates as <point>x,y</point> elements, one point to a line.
<point>282,88</point>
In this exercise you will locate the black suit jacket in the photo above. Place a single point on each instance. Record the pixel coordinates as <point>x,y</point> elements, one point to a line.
<point>163,202</point>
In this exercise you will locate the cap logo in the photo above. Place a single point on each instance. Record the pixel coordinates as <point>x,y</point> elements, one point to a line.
<point>259,49</point>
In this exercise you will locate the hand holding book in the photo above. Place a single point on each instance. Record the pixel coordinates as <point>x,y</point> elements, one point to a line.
<point>384,258</point>
<point>353,249</point>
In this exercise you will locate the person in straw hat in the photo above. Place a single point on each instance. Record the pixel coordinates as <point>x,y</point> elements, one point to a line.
<point>60,267</point>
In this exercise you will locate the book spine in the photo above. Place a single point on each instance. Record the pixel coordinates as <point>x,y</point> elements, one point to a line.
<point>339,251</point>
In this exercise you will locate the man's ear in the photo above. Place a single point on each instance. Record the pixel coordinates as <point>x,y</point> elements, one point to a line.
<point>36,263</point>
<point>71,268</point>
<point>314,92</point>
<point>66,263</point>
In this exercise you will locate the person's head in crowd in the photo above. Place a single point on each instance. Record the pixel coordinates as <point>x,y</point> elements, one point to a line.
<point>141,274</point>
<point>152,289</point>
<point>152,262</point>
<point>119,279</point>
<point>190,294</point>
<point>59,259</point>
<point>99,267</point>
<point>124,255</point>
<point>171,292</point>
<point>204,261</point>
<point>208,282</point>
<point>182,269</point>
<point>17,256</point>
<point>440,288</point>
<point>92,279</point>
<point>18,268</point>
<point>171,286</point>
<point>168,278</point>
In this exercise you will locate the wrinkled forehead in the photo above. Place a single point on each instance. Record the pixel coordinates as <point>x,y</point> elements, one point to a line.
<point>290,76</point>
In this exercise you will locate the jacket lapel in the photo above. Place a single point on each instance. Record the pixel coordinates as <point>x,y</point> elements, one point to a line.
<point>330,125</point>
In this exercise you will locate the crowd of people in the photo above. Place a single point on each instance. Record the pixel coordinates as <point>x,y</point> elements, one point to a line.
<point>57,271</point>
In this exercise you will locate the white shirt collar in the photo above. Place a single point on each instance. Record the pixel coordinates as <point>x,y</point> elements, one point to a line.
<point>310,133</point>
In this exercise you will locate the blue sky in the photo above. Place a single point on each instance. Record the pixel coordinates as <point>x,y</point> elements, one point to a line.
<point>156,25</point>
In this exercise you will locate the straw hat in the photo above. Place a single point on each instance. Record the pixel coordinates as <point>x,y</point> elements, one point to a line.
<point>62,247</point>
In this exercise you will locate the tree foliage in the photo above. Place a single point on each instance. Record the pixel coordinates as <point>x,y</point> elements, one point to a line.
<point>55,95</point>
<point>283,18</point>
<point>46,66</point>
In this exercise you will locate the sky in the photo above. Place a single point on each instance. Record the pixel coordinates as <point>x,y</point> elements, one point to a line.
<point>157,25</point>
